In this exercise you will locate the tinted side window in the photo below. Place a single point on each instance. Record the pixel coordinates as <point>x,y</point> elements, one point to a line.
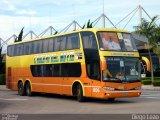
<point>38,46</point>
<point>10,50</point>
<point>62,41</point>
<point>57,70</point>
<point>71,69</point>
<point>49,70</point>
<point>19,48</point>
<point>93,69</point>
<point>15,50</point>
<point>48,45</point>
<point>51,44</point>
<point>28,48</point>
<point>57,44</point>
<point>45,45</point>
<point>73,41</point>
<point>89,40</point>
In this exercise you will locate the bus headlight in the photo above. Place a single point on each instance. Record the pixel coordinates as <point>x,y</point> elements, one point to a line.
<point>108,88</point>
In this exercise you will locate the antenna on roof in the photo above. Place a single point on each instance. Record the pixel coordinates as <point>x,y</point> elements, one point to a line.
<point>103,16</point>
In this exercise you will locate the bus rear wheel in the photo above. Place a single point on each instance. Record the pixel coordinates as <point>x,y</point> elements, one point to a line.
<point>28,89</point>
<point>21,90</point>
<point>80,96</point>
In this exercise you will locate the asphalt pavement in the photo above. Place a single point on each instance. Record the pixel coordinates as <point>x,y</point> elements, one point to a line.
<point>12,103</point>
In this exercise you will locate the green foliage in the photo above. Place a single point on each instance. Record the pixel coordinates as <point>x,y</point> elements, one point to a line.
<point>89,24</point>
<point>2,79</point>
<point>1,57</point>
<point>56,32</point>
<point>148,81</point>
<point>19,36</point>
<point>2,65</point>
<point>156,83</point>
<point>151,31</point>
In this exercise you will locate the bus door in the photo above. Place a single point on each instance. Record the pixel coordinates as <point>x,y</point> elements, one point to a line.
<point>93,72</point>
<point>92,59</point>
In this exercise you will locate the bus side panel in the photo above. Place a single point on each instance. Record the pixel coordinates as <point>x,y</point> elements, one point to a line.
<point>52,84</point>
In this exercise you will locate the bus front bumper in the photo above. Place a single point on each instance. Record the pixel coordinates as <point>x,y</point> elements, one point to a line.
<point>122,94</point>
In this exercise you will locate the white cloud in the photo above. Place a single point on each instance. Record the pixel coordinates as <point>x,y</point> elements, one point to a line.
<point>63,12</point>
<point>26,12</point>
<point>7,5</point>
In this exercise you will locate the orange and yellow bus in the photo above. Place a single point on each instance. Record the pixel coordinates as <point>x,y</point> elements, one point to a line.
<point>96,62</point>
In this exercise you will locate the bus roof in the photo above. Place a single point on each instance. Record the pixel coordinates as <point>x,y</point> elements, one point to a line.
<point>86,29</point>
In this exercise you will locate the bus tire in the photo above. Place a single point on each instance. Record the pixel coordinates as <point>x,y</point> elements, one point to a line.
<point>21,90</point>
<point>28,89</point>
<point>80,96</point>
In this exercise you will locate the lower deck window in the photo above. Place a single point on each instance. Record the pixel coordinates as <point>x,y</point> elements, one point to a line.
<point>56,70</point>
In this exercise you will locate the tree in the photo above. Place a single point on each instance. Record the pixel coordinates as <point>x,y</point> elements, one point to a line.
<point>1,61</point>
<point>19,36</point>
<point>1,57</point>
<point>89,24</point>
<point>151,31</point>
<point>56,32</point>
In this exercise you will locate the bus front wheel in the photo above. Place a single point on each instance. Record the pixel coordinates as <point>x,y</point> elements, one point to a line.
<point>80,96</point>
<point>21,90</point>
<point>28,89</point>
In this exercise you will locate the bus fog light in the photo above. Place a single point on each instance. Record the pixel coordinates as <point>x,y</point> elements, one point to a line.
<point>108,88</point>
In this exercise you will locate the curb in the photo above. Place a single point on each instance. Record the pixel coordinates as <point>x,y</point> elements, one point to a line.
<point>150,87</point>
<point>3,88</point>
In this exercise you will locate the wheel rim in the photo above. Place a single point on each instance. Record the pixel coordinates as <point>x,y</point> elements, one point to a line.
<point>20,88</point>
<point>78,94</point>
<point>28,89</point>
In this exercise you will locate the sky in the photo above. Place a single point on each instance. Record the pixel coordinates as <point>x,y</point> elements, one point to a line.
<point>37,15</point>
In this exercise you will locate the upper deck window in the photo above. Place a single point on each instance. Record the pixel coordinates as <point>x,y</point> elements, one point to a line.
<point>89,40</point>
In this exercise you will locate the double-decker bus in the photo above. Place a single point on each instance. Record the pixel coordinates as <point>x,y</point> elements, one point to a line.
<point>96,62</point>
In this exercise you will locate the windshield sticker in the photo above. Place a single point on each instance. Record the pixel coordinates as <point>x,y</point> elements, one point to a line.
<point>54,58</point>
<point>122,54</point>
<point>121,63</point>
<point>109,41</point>
<point>128,44</point>
<point>69,56</point>
<point>78,56</point>
<point>120,36</point>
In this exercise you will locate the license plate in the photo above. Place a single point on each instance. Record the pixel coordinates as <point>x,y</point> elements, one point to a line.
<point>124,94</point>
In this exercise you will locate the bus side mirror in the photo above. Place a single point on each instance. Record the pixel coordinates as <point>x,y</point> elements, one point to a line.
<point>143,70</point>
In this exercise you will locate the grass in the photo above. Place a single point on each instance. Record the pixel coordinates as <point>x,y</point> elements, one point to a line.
<point>2,79</point>
<point>147,81</point>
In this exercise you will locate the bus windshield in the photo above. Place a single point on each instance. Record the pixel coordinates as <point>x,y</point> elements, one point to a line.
<point>120,69</point>
<point>116,41</point>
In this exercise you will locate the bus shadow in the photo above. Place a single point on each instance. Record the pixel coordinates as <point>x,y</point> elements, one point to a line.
<point>55,96</point>
<point>116,101</point>
<point>87,100</point>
